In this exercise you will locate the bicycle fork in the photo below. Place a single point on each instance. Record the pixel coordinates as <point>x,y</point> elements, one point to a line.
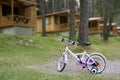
<point>64,54</point>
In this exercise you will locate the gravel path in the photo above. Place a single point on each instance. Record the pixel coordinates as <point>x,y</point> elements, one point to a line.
<point>113,67</point>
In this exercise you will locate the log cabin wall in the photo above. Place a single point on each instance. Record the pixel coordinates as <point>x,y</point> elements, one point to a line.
<point>39,25</point>
<point>50,26</point>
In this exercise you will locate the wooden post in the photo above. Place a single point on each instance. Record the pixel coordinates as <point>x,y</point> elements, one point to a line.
<point>68,14</point>
<point>12,11</point>
<point>98,22</point>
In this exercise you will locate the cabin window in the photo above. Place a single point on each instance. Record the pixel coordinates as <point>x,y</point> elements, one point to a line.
<point>93,23</point>
<point>16,10</point>
<point>6,10</point>
<point>47,20</point>
<point>63,19</point>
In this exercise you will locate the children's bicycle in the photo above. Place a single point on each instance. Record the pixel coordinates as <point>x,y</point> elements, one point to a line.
<point>94,62</point>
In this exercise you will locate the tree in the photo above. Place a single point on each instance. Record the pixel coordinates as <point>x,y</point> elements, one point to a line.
<point>106,28</point>
<point>42,7</point>
<point>84,16</point>
<point>49,6</point>
<point>106,9</point>
<point>72,20</point>
<point>110,8</point>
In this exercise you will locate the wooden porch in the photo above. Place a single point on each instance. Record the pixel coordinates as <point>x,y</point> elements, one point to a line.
<point>17,13</point>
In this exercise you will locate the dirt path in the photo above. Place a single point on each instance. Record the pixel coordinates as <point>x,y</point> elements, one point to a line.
<point>113,67</point>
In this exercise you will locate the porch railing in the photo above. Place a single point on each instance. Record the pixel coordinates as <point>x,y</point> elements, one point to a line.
<point>14,20</point>
<point>6,20</point>
<point>21,20</point>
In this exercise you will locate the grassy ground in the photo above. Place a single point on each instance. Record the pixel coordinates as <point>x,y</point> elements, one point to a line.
<point>16,52</point>
<point>109,49</point>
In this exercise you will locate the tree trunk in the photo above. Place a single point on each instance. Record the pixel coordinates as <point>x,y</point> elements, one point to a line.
<point>107,16</point>
<point>42,7</point>
<point>72,20</point>
<point>57,7</point>
<point>53,5</point>
<point>84,16</point>
<point>105,28</point>
<point>110,22</point>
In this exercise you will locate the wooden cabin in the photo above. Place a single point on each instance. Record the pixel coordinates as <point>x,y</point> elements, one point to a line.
<point>59,21</point>
<point>55,22</point>
<point>17,16</point>
<point>94,25</point>
<point>117,30</point>
<point>113,28</point>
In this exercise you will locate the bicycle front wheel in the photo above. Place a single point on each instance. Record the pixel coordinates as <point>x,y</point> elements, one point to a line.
<point>96,61</point>
<point>61,63</point>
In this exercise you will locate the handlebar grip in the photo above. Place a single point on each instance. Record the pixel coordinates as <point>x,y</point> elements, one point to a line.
<point>75,43</point>
<point>62,39</point>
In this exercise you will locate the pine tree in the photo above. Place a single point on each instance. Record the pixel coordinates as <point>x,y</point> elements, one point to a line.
<point>84,16</point>
<point>42,8</point>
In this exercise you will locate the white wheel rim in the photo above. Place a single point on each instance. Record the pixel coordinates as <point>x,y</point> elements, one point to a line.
<point>101,62</point>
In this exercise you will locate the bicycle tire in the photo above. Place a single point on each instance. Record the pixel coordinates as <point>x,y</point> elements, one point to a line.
<point>101,67</point>
<point>61,63</point>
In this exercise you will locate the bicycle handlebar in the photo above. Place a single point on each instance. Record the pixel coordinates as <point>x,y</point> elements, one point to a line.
<point>67,41</point>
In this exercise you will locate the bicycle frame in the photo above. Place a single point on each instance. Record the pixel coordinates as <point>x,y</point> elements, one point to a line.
<point>82,60</point>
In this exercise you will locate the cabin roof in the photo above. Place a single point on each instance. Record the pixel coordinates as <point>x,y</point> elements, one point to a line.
<point>118,27</point>
<point>95,18</point>
<point>27,2</point>
<point>91,19</point>
<point>113,24</point>
<point>56,13</point>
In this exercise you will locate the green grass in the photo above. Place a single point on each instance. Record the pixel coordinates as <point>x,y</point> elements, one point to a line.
<point>30,75</point>
<point>16,52</point>
<point>110,49</point>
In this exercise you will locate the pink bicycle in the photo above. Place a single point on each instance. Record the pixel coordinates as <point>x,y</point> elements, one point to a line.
<point>95,62</point>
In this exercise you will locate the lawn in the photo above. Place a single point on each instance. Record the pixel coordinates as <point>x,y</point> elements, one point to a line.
<point>16,52</point>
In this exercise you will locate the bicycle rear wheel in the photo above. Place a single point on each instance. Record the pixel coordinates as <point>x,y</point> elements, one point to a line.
<point>96,62</point>
<point>61,63</point>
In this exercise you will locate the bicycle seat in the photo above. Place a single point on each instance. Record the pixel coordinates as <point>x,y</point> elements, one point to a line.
<point>86,43</point>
